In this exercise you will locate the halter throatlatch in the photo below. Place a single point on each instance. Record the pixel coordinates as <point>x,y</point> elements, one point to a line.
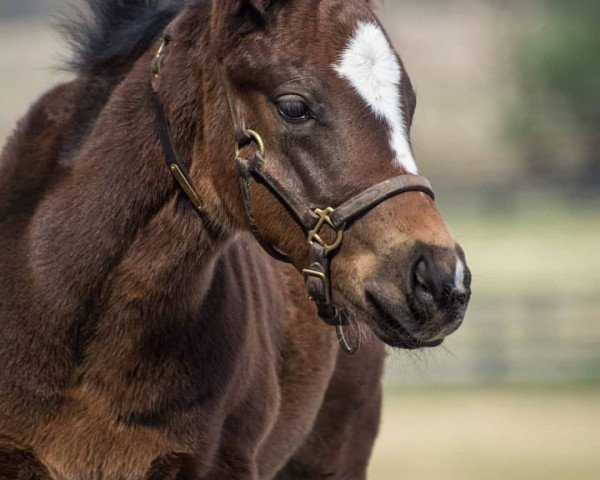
<point>313,221</point>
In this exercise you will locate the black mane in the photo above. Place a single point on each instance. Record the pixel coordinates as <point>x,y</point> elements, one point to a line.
<point>115,32</point>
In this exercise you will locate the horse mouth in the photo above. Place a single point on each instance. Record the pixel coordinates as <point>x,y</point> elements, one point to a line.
<point>390,326</point>
<point>396,336</point>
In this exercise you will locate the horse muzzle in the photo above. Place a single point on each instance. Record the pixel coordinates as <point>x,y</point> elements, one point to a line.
<point>428,304</point>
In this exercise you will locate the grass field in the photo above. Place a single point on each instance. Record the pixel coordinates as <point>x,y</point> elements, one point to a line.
<point>509,433</point>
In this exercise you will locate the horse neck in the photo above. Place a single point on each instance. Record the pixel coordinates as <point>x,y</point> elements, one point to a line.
<point>116,228</point>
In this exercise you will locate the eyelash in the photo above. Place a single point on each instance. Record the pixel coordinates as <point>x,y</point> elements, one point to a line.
<point>295,111</point>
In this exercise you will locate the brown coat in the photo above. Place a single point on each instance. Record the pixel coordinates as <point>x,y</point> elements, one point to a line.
<point>182,360</point>
<point>136,344</point>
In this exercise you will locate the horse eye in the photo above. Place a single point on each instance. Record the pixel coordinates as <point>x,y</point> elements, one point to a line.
<point>294,110</point>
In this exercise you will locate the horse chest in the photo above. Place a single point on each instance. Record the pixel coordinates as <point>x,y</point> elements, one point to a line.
<point>180,388</point>
<point>125,433</point>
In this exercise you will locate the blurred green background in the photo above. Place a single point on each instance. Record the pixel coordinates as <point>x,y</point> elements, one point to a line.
<point>507,128</point>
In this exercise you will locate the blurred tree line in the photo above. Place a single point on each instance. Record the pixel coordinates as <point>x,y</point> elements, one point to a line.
<point>557,119</point>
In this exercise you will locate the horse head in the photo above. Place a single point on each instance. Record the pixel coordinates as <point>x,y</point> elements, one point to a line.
<point>307,103</point>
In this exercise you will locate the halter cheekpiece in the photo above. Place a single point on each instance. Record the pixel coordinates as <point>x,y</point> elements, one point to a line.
<point>313,221</point>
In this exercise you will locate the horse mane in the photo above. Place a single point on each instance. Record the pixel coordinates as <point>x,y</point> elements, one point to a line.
<point>114,33</point>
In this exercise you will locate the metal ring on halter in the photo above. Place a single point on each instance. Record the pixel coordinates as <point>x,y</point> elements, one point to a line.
<point>255,136</point>
<point>349,349</point>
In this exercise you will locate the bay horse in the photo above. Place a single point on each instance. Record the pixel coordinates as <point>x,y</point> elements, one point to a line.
<point>145,333</point>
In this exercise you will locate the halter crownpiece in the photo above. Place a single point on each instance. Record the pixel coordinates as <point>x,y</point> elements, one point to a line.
<point>317,274</point>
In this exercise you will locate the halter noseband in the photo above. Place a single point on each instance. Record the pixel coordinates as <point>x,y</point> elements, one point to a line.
<point>317,274</point>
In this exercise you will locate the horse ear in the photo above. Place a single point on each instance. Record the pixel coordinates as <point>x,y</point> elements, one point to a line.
<point>231,19</point>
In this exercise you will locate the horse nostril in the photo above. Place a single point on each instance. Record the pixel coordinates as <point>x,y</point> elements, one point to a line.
<point>421,286</point>
<point>420,273</point>
<point>437,291</point>
<point>423,295</point>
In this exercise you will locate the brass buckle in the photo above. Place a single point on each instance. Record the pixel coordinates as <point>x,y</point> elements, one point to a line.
<point>315,234</point>
<point>256,138</point>
<point>307,272</point>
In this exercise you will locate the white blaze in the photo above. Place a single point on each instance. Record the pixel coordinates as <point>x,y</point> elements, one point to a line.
<point>370,65</point>
<point>459,276</point>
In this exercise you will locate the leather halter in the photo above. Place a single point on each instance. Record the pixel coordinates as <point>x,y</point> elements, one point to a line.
<point>313,221</point>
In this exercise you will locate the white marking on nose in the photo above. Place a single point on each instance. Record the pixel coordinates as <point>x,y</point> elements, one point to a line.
<point>459,276</point>
<point>371,66</point>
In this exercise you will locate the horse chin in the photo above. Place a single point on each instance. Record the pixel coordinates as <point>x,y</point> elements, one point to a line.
<point>390,331</point>
<point>404,341</point>
<point>401,325</point>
